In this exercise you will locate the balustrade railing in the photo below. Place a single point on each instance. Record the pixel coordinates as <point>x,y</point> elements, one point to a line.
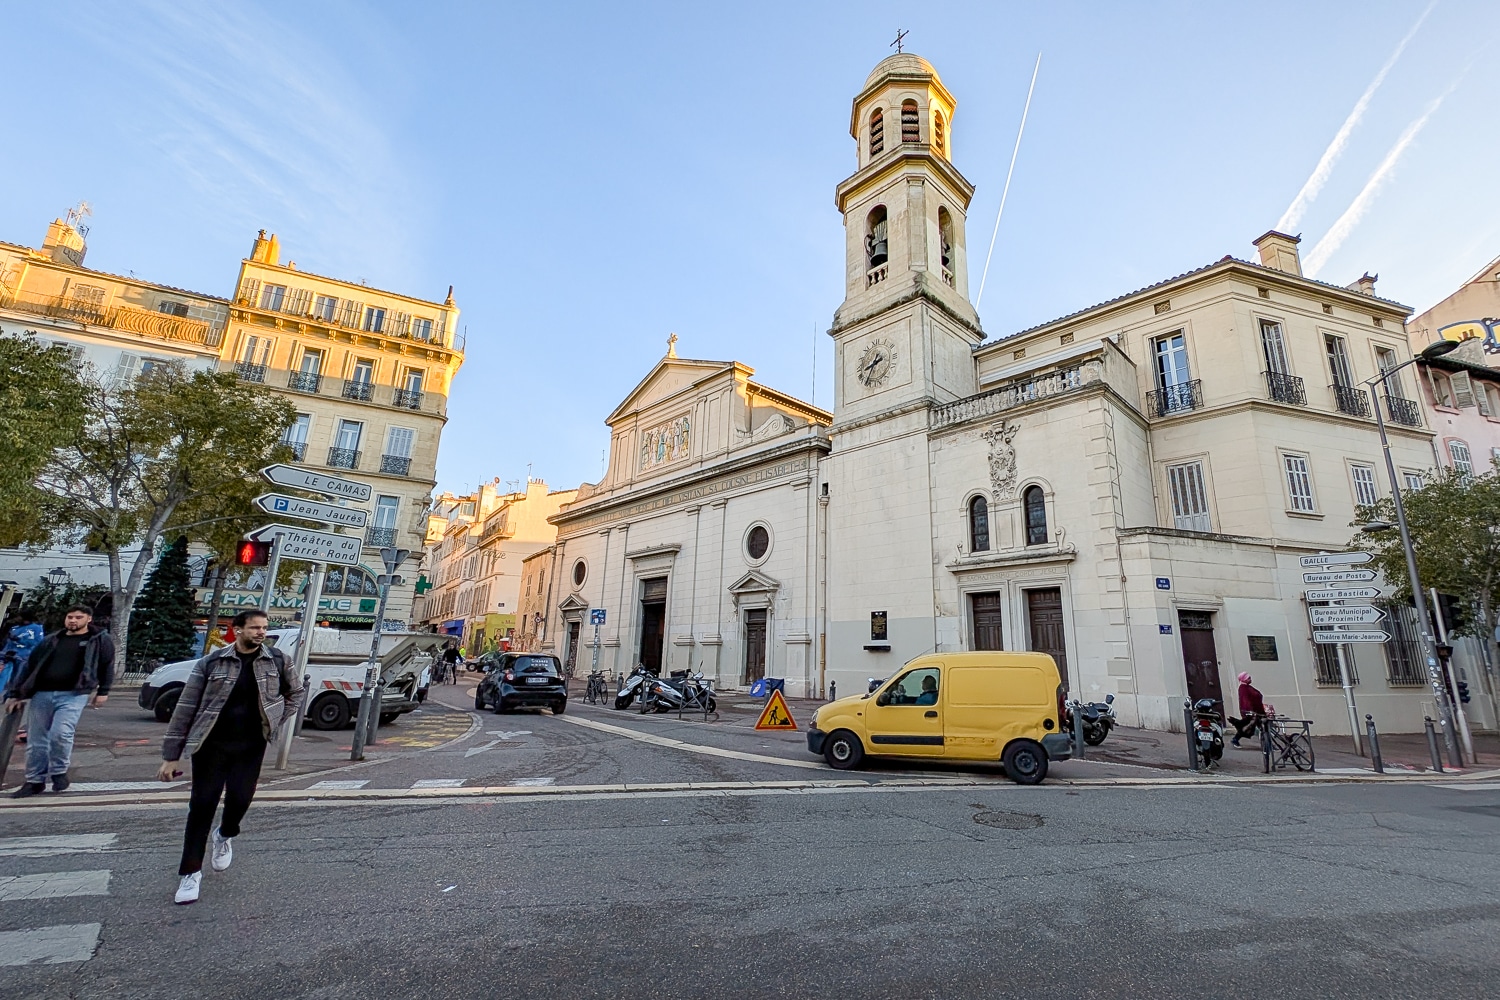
<point>1016,393</point>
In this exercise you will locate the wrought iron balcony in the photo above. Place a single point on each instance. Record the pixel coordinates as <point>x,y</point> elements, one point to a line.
<point>1285,388</point>
<point>1180,398</point>
<point>395,465</point>
<point>304,381</point>
<point>1351,400</point>
<point>378,537</point>
<point>299,449</point>
<point>358,389</point>
<point>250,372</point>
<point>1402,411</point>
<point>410,399</point>
<point>343,458</point>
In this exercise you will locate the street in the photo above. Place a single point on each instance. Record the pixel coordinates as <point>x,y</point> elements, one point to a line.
<point>870,884</point>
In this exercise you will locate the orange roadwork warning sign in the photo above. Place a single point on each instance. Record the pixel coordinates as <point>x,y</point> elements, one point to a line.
<point>776,715</point>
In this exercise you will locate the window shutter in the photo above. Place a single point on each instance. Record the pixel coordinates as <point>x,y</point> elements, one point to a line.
<point>1463,389</point>
<point>1482,400</point>
<point>130,367</point>
<point>250,291</point>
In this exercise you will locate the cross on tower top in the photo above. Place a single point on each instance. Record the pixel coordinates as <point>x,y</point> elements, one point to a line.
<point>901,34</point>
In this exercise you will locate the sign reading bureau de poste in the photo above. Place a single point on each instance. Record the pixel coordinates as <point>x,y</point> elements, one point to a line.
<point>311,546</point>
<point>316,482</point>
<point>312,510</point>
<point>1339,576</point>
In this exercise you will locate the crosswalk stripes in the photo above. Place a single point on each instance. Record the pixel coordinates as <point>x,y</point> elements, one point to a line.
<point>439,783</point>
<point>58,943</point>
<point>319,786</point>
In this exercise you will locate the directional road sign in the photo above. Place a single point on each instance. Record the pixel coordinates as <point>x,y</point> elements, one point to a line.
<point>1336,559</point>
<point>1340,576</point>
<point>305,479</point>
<point>1347,594</point>
<point>312,510</point>
<point>1368,635</point>
<point>311,546</point>
<point>1355,615</point>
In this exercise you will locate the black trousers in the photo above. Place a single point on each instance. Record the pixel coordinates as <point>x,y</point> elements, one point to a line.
<point>230,770</point>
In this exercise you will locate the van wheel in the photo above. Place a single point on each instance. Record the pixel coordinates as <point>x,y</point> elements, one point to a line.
<point>478,700</point>
<point>843,750</point>
<point>166,702</point>
<point>1025,762</point>
<point>330,711</point>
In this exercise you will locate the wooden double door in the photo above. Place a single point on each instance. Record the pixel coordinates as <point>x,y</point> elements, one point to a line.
<point>1044,621</point>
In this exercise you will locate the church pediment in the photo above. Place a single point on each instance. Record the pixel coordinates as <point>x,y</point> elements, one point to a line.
<point>672,377</point>
<point>573,602</point>
<point>754,582</point>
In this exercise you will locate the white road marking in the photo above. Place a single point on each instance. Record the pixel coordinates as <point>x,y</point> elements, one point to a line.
<point>49,945</point>
<point>122,786</point>
<point>530,782</point>
<point>331,785</point>
<point>46,847</point>
<point>440,783</point>
<point>663,741</point>
<point>481,748</point>
<point>506,734</point>
<point>54,885</point>
<point>1478,786</point>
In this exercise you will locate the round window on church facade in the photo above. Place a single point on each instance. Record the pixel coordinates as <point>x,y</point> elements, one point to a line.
<point>757,543</point>
<point>580,573</point>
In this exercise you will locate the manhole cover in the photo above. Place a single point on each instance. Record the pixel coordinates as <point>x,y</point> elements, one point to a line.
<point>1007,820</point>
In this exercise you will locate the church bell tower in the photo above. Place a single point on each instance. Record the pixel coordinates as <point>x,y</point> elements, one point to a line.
<point>906,328</point>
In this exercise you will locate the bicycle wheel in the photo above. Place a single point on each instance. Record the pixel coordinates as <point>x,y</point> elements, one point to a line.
<point>1300,752</point>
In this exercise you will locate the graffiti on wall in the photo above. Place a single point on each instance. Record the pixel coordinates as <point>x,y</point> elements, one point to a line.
<point>1486,330</point>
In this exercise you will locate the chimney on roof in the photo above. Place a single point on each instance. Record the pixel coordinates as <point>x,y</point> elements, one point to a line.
<point>1365,285</point>
<point>266,251</point>
<point>65,243</point>
<point>1278,251</point>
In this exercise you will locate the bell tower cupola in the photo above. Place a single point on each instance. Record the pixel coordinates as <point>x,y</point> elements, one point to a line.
<point>905,208</point>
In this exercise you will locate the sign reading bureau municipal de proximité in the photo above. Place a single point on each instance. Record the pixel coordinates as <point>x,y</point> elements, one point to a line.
<point>305,479</point>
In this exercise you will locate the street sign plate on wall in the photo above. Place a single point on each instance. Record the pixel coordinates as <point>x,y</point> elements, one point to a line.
<point>1368,635</point>
<point>312,510</point>
<point>1340,576</point>
<point>306,479</point>
<point>1345,594</point>
<point>596,616</point>
<point>1355,615</point>
<point>1336,559</point>
<point>312,546</point>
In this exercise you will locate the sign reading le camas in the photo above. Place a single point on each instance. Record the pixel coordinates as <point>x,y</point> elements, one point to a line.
<point>305,479</point>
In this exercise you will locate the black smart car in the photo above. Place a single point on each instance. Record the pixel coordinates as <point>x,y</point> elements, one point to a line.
<point>516,680</point>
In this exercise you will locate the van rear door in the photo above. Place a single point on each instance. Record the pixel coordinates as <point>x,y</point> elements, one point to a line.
<point>906,718</point>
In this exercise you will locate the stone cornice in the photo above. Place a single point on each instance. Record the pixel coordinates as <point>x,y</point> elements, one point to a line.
<point>904,156</point>
<point>922,288</point>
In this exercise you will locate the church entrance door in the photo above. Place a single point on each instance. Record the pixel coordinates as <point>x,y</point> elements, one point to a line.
<point>653,622</point>
<point>986,621</point>
<point>755,644</point>
<point>571,661</point>
<point>1044,608</point>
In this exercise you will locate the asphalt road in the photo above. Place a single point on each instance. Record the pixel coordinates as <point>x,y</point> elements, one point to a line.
<point>997,891</point>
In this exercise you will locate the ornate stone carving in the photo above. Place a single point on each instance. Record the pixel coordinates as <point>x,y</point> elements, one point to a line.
<point>666,443</point>
<point>1002,459</point>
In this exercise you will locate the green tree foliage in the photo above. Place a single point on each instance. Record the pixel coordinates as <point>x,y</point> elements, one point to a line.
<point>48,602</point>
<point>148,446</point>
<point>161,623</point>
<point>41,410</point>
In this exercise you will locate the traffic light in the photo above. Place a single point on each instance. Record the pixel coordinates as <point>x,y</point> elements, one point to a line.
<point>1463,692</point>
<point>253,554</point>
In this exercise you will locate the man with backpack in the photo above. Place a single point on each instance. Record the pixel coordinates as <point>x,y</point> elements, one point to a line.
<point>65,672</point>
<point>231,707</point>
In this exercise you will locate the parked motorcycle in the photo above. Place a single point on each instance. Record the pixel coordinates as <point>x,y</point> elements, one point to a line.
<point>1098,719</point>
<point>663,695</point>
<point>634,686</point>
<point>1208,729</point>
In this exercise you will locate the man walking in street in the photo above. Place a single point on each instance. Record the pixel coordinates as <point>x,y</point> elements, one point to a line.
<point>232,705</point>
<point>66,671</point>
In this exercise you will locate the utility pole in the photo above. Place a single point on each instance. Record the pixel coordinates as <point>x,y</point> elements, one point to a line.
<point>292,728</point>
<point>272,570</point>
<point>369,698</point>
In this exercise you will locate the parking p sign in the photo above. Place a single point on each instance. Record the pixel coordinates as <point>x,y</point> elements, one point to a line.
<point>596,616</point>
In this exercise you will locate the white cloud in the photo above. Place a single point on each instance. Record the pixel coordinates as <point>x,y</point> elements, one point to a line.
<point>1315,181</point>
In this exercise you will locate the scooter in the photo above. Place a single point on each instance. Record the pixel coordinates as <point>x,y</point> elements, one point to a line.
<point>634,685</point>
<point>1209,731</point>
<point>663,695</point>
<point>1098,720</point>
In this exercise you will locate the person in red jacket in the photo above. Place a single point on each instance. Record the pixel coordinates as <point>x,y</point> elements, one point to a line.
<point>1252,710</point>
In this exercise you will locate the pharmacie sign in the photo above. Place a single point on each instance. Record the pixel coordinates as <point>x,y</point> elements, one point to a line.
<point>235,599</point>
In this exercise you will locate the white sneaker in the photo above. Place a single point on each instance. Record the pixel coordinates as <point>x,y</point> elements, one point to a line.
<point>223,851</point>
<point>187,889</point>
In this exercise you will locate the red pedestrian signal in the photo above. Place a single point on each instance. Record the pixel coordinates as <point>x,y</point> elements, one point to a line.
<point>253,554</point>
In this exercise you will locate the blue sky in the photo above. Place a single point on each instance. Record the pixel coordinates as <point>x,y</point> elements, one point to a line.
<point>591,177</point>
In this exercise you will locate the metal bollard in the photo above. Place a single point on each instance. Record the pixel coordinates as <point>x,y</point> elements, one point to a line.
<point>1078,743</point>
<point>1432,745</point>
<point>1374,739</point>
<point>1192,735</point>
<point>833,690</point>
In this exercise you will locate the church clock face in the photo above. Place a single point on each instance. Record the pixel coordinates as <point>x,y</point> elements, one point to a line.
<point>877,363</point>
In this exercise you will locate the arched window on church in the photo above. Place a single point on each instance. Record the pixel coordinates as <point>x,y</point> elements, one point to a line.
<point>945,240</point>
<point>939,133</point>
<point>979,525</point>
<point>877,249</point>
<point>877,132</point>
<point>911,129</point>
<point>1035,505</point>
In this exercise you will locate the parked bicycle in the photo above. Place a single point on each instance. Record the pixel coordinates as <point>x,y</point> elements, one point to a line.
<point>1287,742</point>
<point>597,690</point>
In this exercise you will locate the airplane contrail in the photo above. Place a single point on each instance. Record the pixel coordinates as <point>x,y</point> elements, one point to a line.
<point>1005,192</point>
<point>1315,181</point>
<point>1345,224</point>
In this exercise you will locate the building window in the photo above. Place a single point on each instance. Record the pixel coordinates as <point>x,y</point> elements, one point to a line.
<point>757,543</point>
<point>1273,345</point>
<point>295,436</point>
<point>325,308</point>
<point>172,308</point>
<point>1463,463</point>
<point>1403,652</point>
<point>387,510</point>
<point>1338,361</point>
<point>396,460</point>
<point>945,243</point>
<point>877,132</point>
<point>1442,389</point>
<point>939,133</point>
<point>312,362</point>
<point>1299,483</point>
<point>1385,360</point>
<point>911,130</point>
<point>1189,497</point>
<point>1413,480</point>
<point>1035,506</point>
<point>580,573</point>
<point>257,351</point>
<point>345,451</point>
<point>876,247</point>
<point>421,329</point>
<point>271,297</point>
<point>1365,492</point>
<point>979,525</point>
<point>1175,389</point>
<point>374,320</point>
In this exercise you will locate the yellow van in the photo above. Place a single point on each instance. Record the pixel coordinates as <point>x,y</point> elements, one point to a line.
<point>953,706</point>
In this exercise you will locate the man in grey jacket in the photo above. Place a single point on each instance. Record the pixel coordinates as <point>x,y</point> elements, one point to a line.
<point>232,705</point>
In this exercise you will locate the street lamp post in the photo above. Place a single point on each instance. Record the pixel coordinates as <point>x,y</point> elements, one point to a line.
<point>1424,623</point>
